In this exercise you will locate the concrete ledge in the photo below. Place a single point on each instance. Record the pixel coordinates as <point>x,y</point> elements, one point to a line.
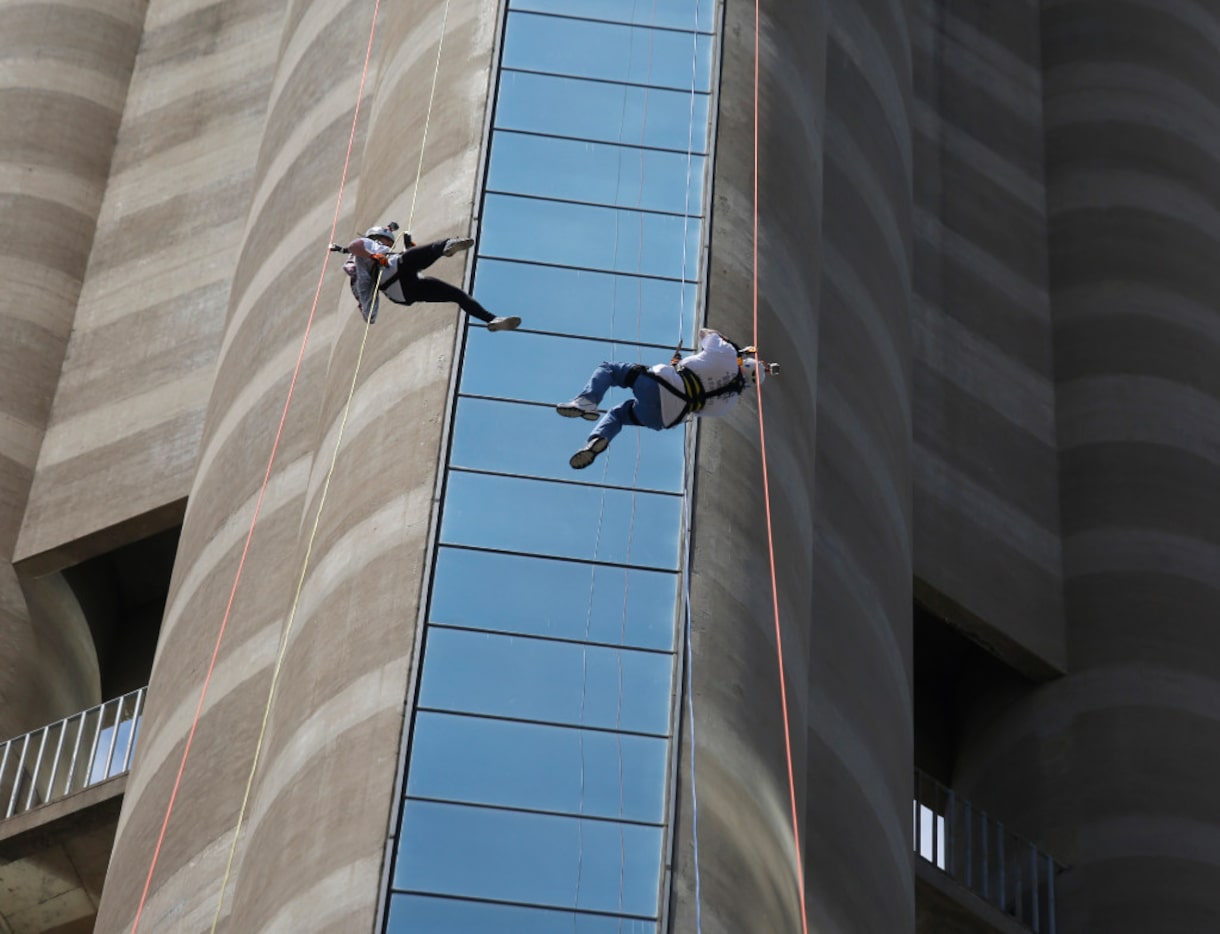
<point>53,861</point>
<point>38,558</point>
<point>47,824</point>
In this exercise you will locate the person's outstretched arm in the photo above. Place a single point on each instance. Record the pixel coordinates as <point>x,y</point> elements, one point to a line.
<point>367,249</point>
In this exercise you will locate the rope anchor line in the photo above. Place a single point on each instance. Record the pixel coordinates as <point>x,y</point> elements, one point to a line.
<point>762,442</point>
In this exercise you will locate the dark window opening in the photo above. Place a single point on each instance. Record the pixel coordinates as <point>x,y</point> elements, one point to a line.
<point>123,594</point>
<point>958,682</point>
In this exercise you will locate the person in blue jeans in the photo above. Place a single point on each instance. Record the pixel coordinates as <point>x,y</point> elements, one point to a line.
<point>707,383</point>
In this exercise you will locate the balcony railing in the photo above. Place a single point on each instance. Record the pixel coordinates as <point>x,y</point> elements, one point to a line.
<point>65,757</point>
<point>983,855</point>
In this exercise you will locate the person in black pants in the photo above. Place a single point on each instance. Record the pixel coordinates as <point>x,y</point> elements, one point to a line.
<point>401,281</point>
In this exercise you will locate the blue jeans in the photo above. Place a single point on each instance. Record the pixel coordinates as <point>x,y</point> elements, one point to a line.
<point>643,410</point>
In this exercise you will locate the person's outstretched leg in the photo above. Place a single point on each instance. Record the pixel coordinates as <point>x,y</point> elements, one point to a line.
<point>421,257</point>
<point>427,289</point>
<point>605,431</point>
<point>606,375</point>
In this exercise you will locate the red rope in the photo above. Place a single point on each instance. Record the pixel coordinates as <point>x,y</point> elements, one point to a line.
<point>263,489</point>
<point>762,441</point>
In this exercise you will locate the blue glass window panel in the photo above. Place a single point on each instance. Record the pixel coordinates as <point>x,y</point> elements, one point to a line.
<point>551,682</point>
<point>603,111</point>
<point>592,304</point>
<point>534,441</point>
<point>540,367</point>
<point>540,768</point>
<point>582,49</point>
<point>422,914</point>
<point>537,858</point>
<point>561,599</point>
<point>674,14</point>
<point>547,368</point>
<point>562,520</point>
<point>598,173</point>
<point>590,237</point>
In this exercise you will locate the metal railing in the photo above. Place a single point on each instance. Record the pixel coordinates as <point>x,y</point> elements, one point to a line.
<point>983,855</point>
<point>65,757</point>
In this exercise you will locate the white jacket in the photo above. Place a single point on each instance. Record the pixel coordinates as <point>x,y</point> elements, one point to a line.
<point>715,364</point>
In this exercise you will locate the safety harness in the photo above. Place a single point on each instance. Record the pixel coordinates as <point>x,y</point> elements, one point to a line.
<point>693,395</point>
<point>390,279</point>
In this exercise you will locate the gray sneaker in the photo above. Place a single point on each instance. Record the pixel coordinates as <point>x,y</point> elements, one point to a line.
<point>586,455</point>
<point>456,245</point>
<point>580,407</point>
<point>510,323</point>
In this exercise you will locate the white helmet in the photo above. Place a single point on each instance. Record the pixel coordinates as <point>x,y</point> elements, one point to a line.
<point>753,372</point>
<point>374,232</point>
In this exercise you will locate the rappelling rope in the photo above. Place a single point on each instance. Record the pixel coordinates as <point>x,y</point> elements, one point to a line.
<point>374,299</point>
<point>762,443</point>
<point>135,924</point>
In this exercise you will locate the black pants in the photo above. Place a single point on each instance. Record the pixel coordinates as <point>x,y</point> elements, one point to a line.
<point>417,288</point>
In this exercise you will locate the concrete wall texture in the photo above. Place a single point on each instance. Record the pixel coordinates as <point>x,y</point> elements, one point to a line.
<point>988,254</point>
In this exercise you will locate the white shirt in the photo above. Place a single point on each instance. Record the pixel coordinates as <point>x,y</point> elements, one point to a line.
<point>715,364</point>
<point>366,275</point>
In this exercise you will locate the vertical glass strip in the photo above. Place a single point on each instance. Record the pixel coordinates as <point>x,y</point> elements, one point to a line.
<point>536,791</point>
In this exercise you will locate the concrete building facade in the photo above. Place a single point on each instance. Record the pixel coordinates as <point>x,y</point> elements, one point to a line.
<point>407,671</point>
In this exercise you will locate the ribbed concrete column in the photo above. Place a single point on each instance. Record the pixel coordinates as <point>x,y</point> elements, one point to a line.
<point>65,75</point>
<point>858,779</point>
<point>327,782</point>
<point>310,848</point>
<point>119,454</point>
<point>746,855</point>
<point>986,533</point>
<point>1114,767</point>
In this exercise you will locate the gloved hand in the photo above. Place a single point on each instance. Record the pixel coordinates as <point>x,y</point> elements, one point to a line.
<point>383,259</point>
<point>337,248</point>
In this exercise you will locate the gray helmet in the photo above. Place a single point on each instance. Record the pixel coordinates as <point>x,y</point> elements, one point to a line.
<point>385,232</point>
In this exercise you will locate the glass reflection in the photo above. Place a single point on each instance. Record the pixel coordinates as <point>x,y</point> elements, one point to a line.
<point>609,239</point>
<point>534,767</point>
<point>602,110</point>
<point>551,682</point>
<point>592,304</point>
<point>583,49</point>
<point>562,599</point>
<point>596,172</point>
<point>560,861</point>
<point>675,14</point>
<point>559,367</point>
<point>566,520</point>
<point>421,914</point>
<point>533,441</point>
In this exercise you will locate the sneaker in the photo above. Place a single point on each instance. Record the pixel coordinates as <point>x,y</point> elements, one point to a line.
<point>504,324</point>
<point>586,455</point>
<point>456,245</point>
<point>580,407</point>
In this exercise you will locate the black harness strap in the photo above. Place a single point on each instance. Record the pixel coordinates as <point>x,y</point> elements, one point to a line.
<point>694,397</point>
<point>387,281</point>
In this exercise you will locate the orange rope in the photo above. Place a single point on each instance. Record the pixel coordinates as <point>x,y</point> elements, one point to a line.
<point>762,441</point>
<point>263,489</point>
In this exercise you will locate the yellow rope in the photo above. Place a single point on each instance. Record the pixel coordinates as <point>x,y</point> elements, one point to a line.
<point>275,674</point>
